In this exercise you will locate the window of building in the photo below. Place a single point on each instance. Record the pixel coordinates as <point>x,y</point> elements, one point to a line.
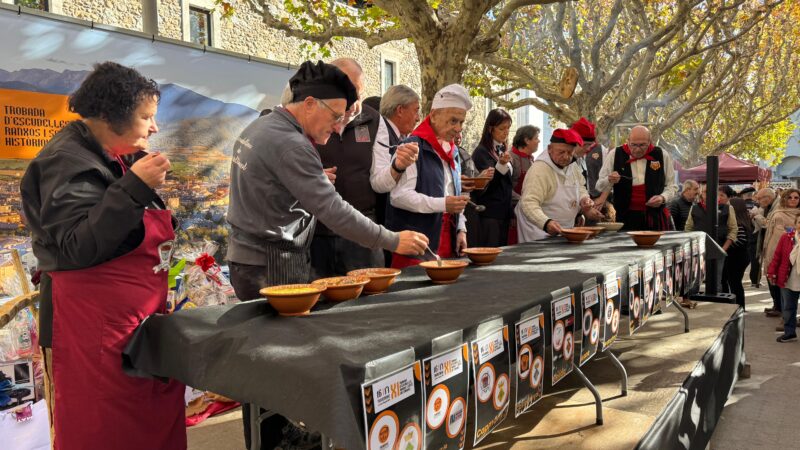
<point>389,74</point>
<point>199,26</point>
<point>35,4</point>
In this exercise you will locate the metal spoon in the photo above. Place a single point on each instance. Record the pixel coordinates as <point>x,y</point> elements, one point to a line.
<point>438,259</point>
<point>478,208</point>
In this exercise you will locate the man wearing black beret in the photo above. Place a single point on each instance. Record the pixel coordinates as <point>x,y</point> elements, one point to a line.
<point>279,190</point>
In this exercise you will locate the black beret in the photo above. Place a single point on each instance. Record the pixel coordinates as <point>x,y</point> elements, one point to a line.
<point>322,81</point>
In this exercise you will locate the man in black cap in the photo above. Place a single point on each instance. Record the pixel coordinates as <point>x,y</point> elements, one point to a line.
<point>279,190</point>
<point>348,154</point>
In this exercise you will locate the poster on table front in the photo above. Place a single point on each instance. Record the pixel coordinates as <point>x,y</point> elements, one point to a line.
<point>393,410</point>
<point>659,283</point>
<point>612,285</point>
<point>590,325</point>
<point>635,303</point>
<point>669,280</point>
<point>446,388</point>
<point>687,268</point>
<point>679,272</point>
<point>702,245</point>
<point>530,363</point>
<point>649,288</point>
<point>490,369</point>
<point>696,270</point>
<point>562,318</point>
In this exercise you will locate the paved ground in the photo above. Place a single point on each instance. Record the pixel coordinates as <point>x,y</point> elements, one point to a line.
<point>658,358</point>
<point>762,413</point>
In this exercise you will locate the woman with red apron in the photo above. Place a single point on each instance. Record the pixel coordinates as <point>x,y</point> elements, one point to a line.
<point>103,240</point>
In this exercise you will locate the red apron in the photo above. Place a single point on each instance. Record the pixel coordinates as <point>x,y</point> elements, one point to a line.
<point>95,311</point>
<point>445,249</point>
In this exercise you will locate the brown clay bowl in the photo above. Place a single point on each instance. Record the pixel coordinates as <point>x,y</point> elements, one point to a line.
<point>481,256</point>
<point>645,238</point>
<point>611,226</point>
<point>292,299</point>
<point>479,182</point>
<point>447,274</point>
<point>380,278</point>
<point>595,230</point>
<point>575,235</point>
<point>339,289</point>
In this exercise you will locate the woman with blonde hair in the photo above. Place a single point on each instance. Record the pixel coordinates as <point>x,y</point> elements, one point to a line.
<point>779,221</point>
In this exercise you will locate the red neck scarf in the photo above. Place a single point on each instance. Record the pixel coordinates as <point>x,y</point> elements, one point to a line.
<point>425,132</point>
<point>522,155</point>
<point>646,156</point>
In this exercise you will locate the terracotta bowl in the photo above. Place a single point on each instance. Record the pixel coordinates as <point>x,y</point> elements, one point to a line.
<point>380,278</point>
<point>447,274</point>
<point>339,289</point>
<point>575,235</point>
<point>611,226</point>
<point>481,256</point>
<point>595,230</point>
<point>292,299</point>
<point>645,238</point>
<point>480,182</point>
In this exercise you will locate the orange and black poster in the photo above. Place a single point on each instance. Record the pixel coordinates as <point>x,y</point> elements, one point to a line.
<point>393,410</point>
<point>446,393</point>
<point>29,120</point>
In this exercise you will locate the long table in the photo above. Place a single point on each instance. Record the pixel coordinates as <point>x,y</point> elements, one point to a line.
<point>310,368</point>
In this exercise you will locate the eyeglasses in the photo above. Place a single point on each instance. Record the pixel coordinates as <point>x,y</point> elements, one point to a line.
<point>639,145</point>
<point>793,197</point>
<point>338,118</point>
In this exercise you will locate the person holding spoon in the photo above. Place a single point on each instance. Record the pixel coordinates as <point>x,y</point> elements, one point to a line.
<point>554,191</point>
<point>427,197</point>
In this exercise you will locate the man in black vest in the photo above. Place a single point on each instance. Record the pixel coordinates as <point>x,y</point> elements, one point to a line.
<point>348,155</point>
<point>643,180</point>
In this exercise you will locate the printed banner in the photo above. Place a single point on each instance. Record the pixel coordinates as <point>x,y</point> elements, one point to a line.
<point>530,363</point>
<point>490,368</point>
<point>669,281</point>
<point>696,271</point>
<point>562,318</point>
<point>446,389</point>
<point>687,268</point>
<point>635,303</point>
<point>660,282</point>
<point>611,309</point>
<point>649,284</point>
<point>679,278</point>
<point>590,326</point>
<point>393,410</point>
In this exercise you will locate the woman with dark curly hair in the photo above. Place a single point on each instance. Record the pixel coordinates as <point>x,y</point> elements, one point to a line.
<point>493,152</point>
<point>103,239</point>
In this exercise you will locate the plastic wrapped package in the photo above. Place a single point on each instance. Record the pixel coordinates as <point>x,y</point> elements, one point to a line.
<point>203,282</point>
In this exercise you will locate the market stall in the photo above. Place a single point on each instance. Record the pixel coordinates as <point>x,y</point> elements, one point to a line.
<point>311,368</point>
<point>731,170</point>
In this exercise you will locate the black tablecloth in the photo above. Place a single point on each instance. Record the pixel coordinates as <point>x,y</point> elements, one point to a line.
<point>310,368</point>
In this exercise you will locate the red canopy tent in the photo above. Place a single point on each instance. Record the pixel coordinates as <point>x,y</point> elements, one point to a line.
<point>731,170</point>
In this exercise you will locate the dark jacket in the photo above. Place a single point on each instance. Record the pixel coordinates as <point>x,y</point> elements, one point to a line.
<point>351,153</point>
<point>430,182</point>
<point>497,195</point>
<point>594,162</point>
<point>679,210</point>
<point>80,208</point>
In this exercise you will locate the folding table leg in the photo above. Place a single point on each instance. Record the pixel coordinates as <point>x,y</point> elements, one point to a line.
<point>685,316</point>
<point>622,372</point>
<point>598,402</point>
<point>256,417</point>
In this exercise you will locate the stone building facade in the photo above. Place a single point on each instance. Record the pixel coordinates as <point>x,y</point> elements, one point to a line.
<point>246,34</point>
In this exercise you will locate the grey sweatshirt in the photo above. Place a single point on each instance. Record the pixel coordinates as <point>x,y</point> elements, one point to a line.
<point>278,187</point>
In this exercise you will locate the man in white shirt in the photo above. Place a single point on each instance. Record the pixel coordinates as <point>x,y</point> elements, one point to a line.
<point>427,197</point>
<point>642,178</point>
<point>399,115</point>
